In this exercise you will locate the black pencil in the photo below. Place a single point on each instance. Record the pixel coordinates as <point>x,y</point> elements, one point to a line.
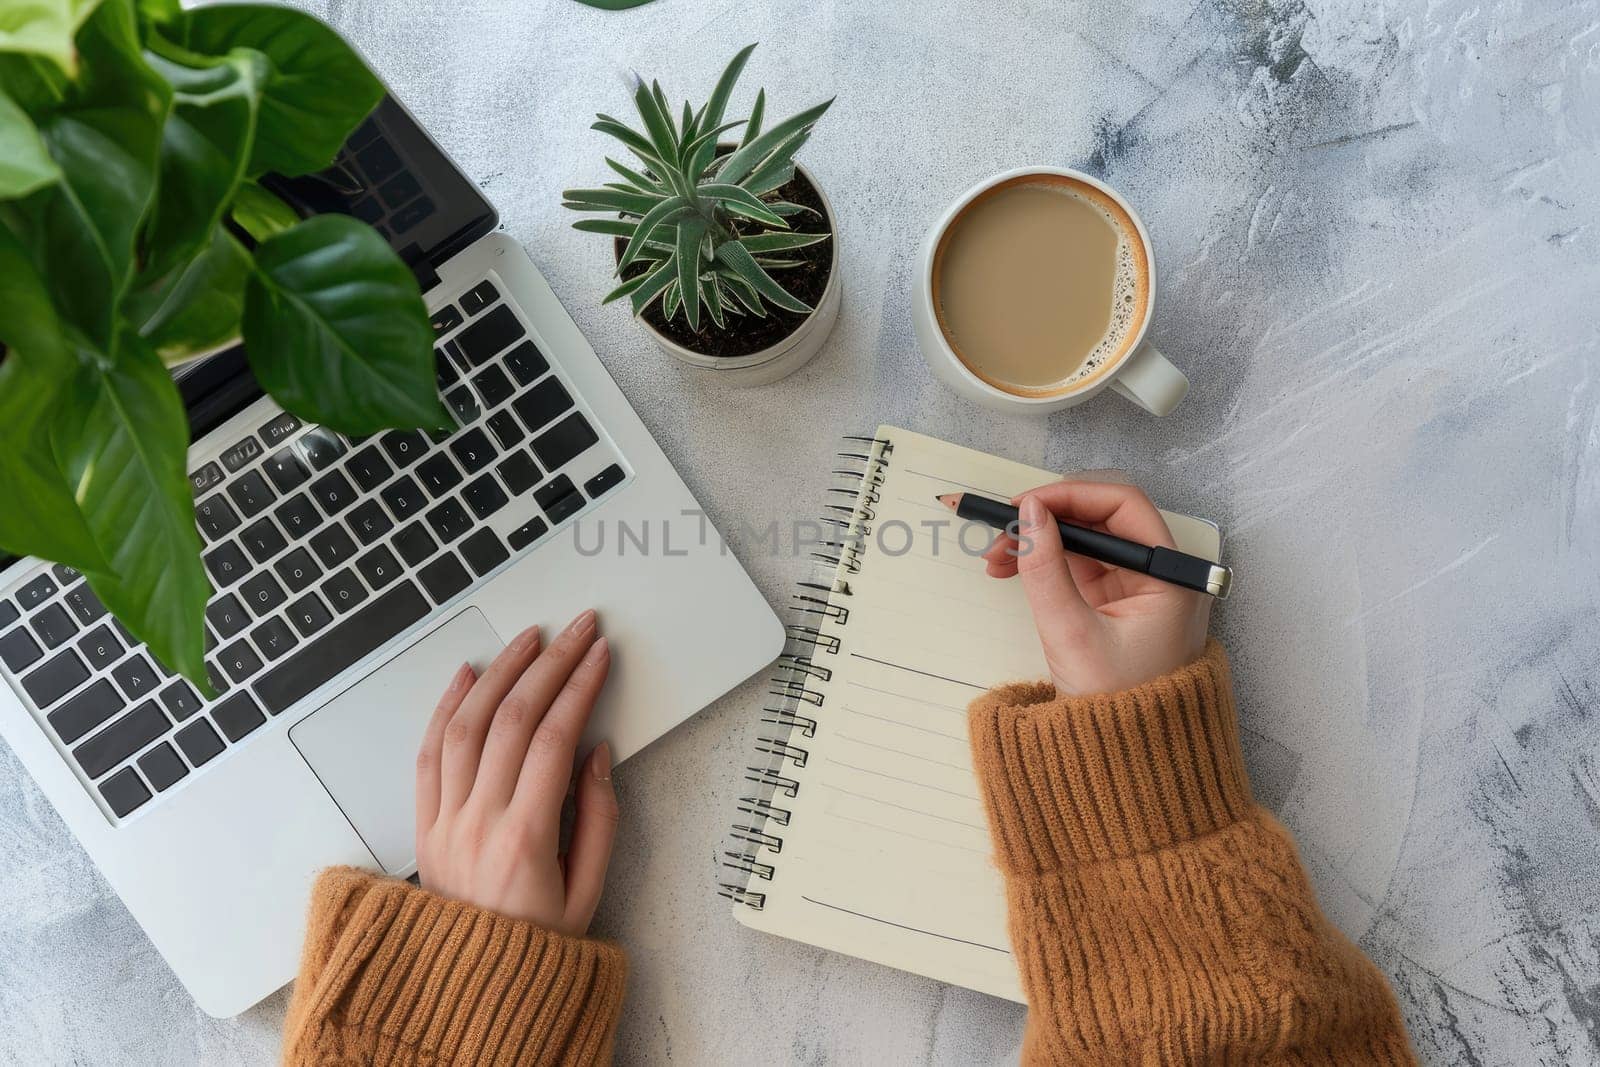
<point>1165,564</point>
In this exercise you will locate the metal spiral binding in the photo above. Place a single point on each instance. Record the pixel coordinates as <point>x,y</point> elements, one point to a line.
<point>796,685</point>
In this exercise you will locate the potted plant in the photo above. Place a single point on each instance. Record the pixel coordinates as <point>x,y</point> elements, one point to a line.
<point>134,236</point>
<point>727,250</point>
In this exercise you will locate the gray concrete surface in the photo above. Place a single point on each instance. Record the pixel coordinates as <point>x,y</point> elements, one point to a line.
<point>1376,233</point>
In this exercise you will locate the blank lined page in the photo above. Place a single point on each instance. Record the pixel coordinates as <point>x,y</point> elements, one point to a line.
<point>888,855</point>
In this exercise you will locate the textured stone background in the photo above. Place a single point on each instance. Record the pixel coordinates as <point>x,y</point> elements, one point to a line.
<point>1376,231</point>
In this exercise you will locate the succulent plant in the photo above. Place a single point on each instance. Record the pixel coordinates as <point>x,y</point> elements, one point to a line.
<point>707,225</point>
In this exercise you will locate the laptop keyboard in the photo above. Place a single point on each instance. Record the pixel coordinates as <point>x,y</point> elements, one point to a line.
<point>321,549</point>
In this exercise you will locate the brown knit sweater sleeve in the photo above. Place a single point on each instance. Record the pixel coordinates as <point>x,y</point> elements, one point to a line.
<point>393,974</point>
<point>1158,914</point>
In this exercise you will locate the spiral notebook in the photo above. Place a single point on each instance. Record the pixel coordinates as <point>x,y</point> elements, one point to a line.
<point>861,828</point>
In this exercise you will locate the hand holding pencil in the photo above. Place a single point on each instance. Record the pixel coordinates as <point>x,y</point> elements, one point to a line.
<point>1103,628</point>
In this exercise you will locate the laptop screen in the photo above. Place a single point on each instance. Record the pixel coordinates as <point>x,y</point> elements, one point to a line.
<point>390,174</point>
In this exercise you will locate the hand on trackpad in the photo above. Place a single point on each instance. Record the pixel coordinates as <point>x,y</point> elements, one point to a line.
<point>362,744</point>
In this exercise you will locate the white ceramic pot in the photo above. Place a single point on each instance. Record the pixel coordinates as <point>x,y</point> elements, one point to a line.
<point>786,356</point>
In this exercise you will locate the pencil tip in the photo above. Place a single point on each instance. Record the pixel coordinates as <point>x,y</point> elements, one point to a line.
<point>949,500</point>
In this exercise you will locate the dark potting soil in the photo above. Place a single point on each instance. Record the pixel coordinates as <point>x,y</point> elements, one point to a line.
<point>746,334</point>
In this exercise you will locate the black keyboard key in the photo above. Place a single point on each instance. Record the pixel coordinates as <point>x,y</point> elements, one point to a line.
<point>298,570</point>
<point>444,577</point>
<point>405,447</point>
<point>507,430</point>
<point>241,454</point>
<point>415,543</point>
<point>8,613</point>
<point>369,522</point>
<point>298,516</point>
<point>473,451</point>
<point>446,319</point>
<point>309,614</point>
<point>18,649</point>
<point>215,517</point>
<point>85,711</point>
<point>484,552</point>
<point>262,593</point>
<point>404,497</point>
<point>333,546</point>
<point>490,335</point>
<point>227,564</point>
<point>124,792</point>
<point>237,716</point>
<point>100,647</point>
<point>344,591</point>
<point>262,540</point>
<point>411,215</point>
<point>484,496</point>
<point>122,739</point>
<point>320,448</point>
<point>250,492</point>
<point>526,534</point>
<point>607,479</point>
<point>386,617</point>
<point>286,470</point>
<point>438,474</point>
<point>55,678</point>
<point>36,592</point>
<point>464,403</point>
<point>444,370</point>
<point>205,479</point>
<point>199,742</point>
<point>519,472</point>
<point>163,766</point>
<point>559,498</point>
<point>181,700</point>
<point>84,604</point>
<point>542,403</point>
<point>564,441</point>
<point>449,520</point>
<point>219,680</point>
<point>240,661</point>
<point>379,567</point>
<point>136,677</point>
<point>279,430</point>
<point>333,492</point>
<point>274,638</point>
<point>493,386</point>
<point>526,362</point>
<point>479,297</point>
<point>226,616</point>
<point>53,625</point>
<point>369,468</point>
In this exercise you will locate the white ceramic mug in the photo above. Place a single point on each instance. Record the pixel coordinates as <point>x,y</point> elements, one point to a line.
<point>1141,373</point>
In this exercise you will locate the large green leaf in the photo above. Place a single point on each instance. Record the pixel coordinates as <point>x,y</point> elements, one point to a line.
<point>690,232</point>
<point>25,163</point>
<point>40,516</point>
<point>205,146</point>
<point>121,438</point>
<point>260,213</point>
<point>201,308</point>
<point>736,166</point>
<point>336,331</point>
<point>44,28</point>
<point>318,91</point>
<point>718,103</point>
<point>738,259</point>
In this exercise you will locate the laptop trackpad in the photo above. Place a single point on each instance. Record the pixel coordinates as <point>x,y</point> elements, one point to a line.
<point>362,744</point>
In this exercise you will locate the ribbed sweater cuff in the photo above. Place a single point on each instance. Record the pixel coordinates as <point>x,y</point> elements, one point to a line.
<point>1076,780</point>
<point>407,976</point>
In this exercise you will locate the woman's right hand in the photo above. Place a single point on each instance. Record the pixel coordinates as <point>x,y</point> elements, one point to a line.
<point>492,776</point>
<point>1103,628</point>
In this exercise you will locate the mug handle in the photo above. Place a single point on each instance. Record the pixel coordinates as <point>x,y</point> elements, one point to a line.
<point>1150,380</point>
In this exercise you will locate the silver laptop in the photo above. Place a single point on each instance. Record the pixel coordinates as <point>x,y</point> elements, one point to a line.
<point>352,577</point>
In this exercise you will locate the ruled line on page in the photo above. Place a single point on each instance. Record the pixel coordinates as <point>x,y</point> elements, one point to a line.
<point>904,833</point>
<point>903,926</point>
<point>914,670</point>
<point>904,807</point>
<point>908,696</point>
<point>907,725</point>
<point>909,755</point>
<point>905,781</point>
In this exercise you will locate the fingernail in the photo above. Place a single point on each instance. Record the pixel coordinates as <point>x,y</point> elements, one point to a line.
<point>598,651</point>
<point>1032,512</point>
<point>600,762</point>
<point>582,624</point>
<point>526,639</point>
<point>462,678</point>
